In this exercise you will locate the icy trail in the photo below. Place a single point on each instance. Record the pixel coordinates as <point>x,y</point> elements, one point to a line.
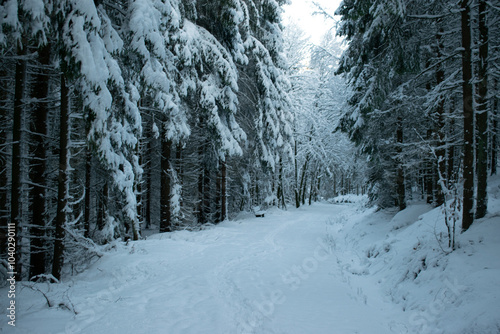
<point>278,274</point>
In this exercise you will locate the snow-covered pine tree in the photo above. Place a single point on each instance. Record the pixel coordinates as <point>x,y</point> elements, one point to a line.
<point>369,62</point>
<point>90,45</point>
<point>157,53</point>
<point>387,78</point>
<point>265,114</point>
<point>227,21</point>
<point>439,76</point>
<point>395,51</point>
<point>216,134</point>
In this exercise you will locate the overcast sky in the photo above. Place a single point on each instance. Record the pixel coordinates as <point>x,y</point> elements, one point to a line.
<point>301,12</point>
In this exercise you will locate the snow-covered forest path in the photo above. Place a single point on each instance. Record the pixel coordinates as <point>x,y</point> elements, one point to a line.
<point>278,274</point>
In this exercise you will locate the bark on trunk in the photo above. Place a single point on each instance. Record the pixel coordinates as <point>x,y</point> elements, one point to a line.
<point>149,186</point>
<point>62,188</point>
<point>139,185</point>
<point>88,187</point>
<point>482,114</point>
<point>38,164</point>
<point>223,191</point>
<point>218,194</point>
<point>312,188</point>
<point>451,174</point>
<point>4,208</point>
<point>166,212</point>
<point>429,175</point>
<point>297,188</point>
<point>179,168</point>
<point>281,193</point>
<point>103,207</point>
<point>15,199</point>
<point>400,172</point>
<point>468,118</point>
<point>335,184</point>
<point>302,187</point>
<point>441,151</point>
<point>494,132</point>
<point>206,194</point>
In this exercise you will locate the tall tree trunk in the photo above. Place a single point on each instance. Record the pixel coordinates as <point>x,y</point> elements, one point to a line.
<point>429,181</point>
<point>62,189</point>
<point>296,177</point>
<point>335,184</point>
<point>281,192</point>
<point>199,209</point>
<point>102,213</point>
<point>302,186</point>
<point>223,190</point>
<point>218,194</point>
<point>165,210</point>
<point>256,197</point>
<point>297,187</point>
<point>139,185</point>
<point>312,187</point>
<point>179,169</point>
<point>88,185</point>
<point>441,151</point>
<point>451,153</point>
<point>318,188</point>
<point>15,199</point>
<point>148,170</point>
<point>494,131</point>
<point>341,192</point>
<point>429,170</point>
<point>429,176</point>
<point>38,164</point>
<point>482,114</point>
<point>400,172</point>
<point>4,207</point>
<point>221,195</point>
<point>203,195</point>
<point>468,119</point>
<point>206,193</point>
<point>273,192</point>
<point>135,223</point>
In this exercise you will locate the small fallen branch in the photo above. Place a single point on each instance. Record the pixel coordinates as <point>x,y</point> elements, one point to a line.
<point>50,302</point>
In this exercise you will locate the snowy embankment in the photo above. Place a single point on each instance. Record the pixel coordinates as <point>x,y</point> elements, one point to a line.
<point>327,268</point>
<point>407,256</point>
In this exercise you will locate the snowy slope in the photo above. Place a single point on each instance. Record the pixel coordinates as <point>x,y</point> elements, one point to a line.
<point>328,268</point>
<point>406,255</point>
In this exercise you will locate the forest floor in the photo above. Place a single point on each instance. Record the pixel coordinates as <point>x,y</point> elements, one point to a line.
<point>325,268</point>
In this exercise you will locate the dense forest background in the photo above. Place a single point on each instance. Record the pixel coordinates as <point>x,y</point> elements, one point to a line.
<point>117,116</point>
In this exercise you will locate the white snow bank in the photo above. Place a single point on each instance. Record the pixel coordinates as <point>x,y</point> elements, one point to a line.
<point>407,256</point>
<point>350,198</point>
<point>409,215</point>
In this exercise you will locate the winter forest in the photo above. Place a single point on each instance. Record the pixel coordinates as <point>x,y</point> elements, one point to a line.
<point>128,118</point>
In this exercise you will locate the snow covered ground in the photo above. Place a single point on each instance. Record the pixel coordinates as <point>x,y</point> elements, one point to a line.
<point>327,268</point>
